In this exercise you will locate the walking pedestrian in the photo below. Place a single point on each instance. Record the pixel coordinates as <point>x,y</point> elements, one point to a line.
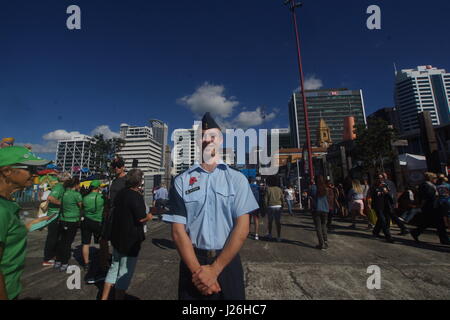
<point>431,214</point>
<point>356,204</point>
<point>332,196</point>
<point>443,188</point>
<point>289,195</point>
<point>382,202</point>
<point>161,196</point>
<point>342,200</point>
<point>18,168</point>
<point>209,212</point>
<point>394,212</point>
<point>320,211</point>
<point>256,213</point>
<point>407,205</point>
<point>127,234</point>
<point>273,201</point>
<point>69,222</point>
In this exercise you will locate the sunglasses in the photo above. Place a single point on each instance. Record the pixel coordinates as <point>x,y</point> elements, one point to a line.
<point>30,169</point>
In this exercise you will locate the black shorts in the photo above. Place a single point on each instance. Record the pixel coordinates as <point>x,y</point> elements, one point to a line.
<point>90,228</point>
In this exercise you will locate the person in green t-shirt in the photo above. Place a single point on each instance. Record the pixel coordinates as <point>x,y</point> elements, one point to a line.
<point>69,220</point>
<point>18,167</point>
<point>54,200</point>
<point>93,205</point>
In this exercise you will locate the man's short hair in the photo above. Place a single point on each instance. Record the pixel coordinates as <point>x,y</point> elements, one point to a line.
<point>118,163</point>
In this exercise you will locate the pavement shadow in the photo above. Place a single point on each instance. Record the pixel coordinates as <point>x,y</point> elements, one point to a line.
<point>298,243</point>
<point>164,244</point>
<point>293,242</point>
<point>112,293</point>
<point>302,226</point>
<point>403,241</point>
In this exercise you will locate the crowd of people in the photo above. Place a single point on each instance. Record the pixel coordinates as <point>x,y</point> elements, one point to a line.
<point>379,205</point>
<point>64,210</point>
<point>210,208</point>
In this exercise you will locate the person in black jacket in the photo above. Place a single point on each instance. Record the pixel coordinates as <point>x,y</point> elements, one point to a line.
<point>383,204</point>
<point>127,234</point>
<point>430,215</point>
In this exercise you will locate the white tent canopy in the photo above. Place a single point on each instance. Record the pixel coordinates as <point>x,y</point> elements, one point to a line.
<point>413,161</point>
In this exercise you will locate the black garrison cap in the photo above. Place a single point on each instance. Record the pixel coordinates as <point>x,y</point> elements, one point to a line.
<point>208,122</point>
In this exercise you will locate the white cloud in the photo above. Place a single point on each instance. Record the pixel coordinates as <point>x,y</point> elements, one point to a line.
<point>105,131</point>
<point>52,138</point>
<point>255,118</point>
<point>60,135</point>
<point>312,83</point>
<point>210,98</point>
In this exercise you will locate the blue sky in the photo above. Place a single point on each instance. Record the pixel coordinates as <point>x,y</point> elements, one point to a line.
<point>137,59</point>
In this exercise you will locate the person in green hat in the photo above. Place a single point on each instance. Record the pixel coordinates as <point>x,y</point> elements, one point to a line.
<point>18,168</point>
<point>93,205</point>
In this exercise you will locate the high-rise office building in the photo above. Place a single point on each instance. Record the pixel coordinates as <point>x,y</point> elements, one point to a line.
<point>141,145</point>
<point>425,88</point>
<point>160,134</point>
<point>76,156</point>
<point>331,105</point>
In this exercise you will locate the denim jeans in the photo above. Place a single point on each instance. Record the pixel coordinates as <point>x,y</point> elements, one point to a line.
<point>121,270</point>
<point>290,204</point>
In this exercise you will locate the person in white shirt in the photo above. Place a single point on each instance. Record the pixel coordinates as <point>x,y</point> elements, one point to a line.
<point>289,196</point>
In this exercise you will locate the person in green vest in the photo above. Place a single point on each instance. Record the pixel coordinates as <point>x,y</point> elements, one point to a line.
<point>53,211</point>
<point>69,222</point>
<point>93,205</point>
<point>18,168</point>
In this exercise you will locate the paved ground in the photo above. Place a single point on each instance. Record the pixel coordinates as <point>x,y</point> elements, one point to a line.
<point>291,270</point>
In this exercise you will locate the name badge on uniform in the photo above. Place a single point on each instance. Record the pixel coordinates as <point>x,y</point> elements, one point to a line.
<point>192,190</point>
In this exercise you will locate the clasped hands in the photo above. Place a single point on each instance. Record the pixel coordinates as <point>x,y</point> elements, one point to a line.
<point>205,280</point>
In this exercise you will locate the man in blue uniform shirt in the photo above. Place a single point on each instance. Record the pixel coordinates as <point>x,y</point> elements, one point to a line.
<point>209,206</point>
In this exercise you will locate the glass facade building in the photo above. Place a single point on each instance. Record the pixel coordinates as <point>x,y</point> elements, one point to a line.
<point>332,105</point>
<point>422,89</point>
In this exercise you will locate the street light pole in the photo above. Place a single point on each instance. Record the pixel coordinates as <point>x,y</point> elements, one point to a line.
<point>292,7</point>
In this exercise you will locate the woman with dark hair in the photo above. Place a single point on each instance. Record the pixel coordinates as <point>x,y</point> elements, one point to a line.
<point>320,210</point>
<point>127,234</point>
<point>273,201</point>
<point>69,222</point>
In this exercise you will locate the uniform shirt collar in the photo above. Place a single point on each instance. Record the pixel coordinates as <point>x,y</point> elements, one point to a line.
<point>220,164</point>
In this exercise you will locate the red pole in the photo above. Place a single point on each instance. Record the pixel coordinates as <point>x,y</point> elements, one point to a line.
<point>305,107</point>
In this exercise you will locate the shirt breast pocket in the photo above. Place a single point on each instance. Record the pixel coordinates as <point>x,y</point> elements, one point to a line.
<point>194,203</point>
<point>225,198</point>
